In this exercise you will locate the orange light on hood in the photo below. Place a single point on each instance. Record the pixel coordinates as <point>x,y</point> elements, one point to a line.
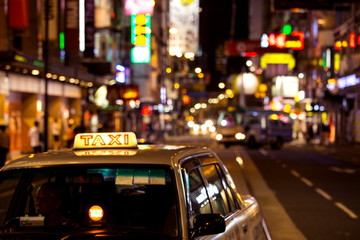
<point>96,213</point>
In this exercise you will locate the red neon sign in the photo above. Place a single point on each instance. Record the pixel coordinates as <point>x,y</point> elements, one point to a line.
<point>281,40</point>
<point>352,43</point>
<point>272,39</point>
<point>295,41</point>
<point>297,45</point>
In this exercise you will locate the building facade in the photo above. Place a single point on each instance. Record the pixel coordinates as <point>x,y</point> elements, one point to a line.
<point>71,60</point>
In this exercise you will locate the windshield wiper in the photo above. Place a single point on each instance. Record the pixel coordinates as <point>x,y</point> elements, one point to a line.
<point>10,223</point>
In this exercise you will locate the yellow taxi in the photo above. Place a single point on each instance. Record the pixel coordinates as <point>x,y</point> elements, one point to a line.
<point>110,187</point>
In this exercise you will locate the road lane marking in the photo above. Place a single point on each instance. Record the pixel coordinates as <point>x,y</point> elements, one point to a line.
<point>263,152</point>
<point>346,210</point>
<point>323,193</point>
<point>295,173</point>
<point>342,170</point>
<point>277,217</point>
<point>306,181</point>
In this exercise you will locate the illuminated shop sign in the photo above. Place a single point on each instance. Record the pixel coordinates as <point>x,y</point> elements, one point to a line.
<point>351,42</point>
<point>139,7</point>
<point>120,75</point>
<point>129,92</point>
<point>294,41</point>
<point>277,58</point>
<point>348,81</point>
<point>343,82</point>
<point>140,38</point>
<point>285,86</point>
<point>183,27</point>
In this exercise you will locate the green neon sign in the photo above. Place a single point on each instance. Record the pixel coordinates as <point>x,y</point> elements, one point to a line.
<point>287,29</point>
<point>61,41</point>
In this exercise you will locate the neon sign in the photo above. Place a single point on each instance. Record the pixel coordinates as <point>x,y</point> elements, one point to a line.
<point>140,37</point>
<point>352,42</point>
<point>348,81</point>
<point>294,41</point>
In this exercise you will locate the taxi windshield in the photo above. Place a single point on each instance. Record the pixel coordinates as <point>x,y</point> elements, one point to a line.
<point>127,200</point>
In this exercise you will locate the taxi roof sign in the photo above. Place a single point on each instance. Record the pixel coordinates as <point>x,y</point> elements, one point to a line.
<point>105,140</point>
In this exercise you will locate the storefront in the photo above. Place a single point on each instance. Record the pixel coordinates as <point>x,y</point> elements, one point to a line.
<point>22,101</point>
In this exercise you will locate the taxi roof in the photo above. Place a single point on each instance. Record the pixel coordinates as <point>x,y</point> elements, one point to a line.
<point>144,154</point>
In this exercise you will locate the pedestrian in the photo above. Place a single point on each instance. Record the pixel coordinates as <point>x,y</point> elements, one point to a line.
<point>325,133</point>
<point>310,133</point>
<point>55,130</point>
<point>34,134</point>
<point>4,144</point>
<point>69,136</point>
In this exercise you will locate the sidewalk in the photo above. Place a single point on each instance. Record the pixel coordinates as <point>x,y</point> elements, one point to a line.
<point>349,152</point>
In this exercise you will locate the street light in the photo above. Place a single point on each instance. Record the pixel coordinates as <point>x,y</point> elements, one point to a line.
<point>198,70</point>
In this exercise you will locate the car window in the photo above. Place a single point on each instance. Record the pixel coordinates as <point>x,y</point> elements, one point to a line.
<point>230,194</point>
<point>216,191</point>
<point>212,196</point>
<point>7,188</point>
<point>199,200</point>
<point>130,197</point>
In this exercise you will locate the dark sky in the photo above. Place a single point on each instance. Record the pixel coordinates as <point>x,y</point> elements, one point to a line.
<point>215,27</point>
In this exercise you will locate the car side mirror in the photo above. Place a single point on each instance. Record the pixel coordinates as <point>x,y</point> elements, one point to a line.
<point>207,224</point>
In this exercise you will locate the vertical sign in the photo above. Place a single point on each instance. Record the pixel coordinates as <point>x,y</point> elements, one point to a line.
<point>139,7</point>
<point>103,13</point>
<point>89,28</point>
<point>141,38</point>
<point>18,13</point>
<point>184,26</point>
<point>72,27</point>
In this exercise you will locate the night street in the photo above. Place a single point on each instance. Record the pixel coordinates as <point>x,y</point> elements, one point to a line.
<point>182,119</point>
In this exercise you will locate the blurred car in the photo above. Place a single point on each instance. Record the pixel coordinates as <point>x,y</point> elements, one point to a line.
<point>110,187</point>
<point>197,128</point>
<point>253,127</point>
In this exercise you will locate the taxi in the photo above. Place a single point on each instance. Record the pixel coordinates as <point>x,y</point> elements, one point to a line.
<point>110,187</point>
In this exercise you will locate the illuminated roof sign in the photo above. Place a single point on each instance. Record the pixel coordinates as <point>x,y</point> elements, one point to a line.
<point>105,140</point>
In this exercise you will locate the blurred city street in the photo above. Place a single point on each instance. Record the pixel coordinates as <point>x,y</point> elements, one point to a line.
<point>281,77</point>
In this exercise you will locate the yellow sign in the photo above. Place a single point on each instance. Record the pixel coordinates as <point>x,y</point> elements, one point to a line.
<point>277,58</point>
<point>96,213</point>
<point>105,140</point>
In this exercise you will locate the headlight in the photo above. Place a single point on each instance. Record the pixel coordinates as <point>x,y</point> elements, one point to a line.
<point>240,136</point>
<point>212,129</point>
<point>203,128</point>
<point>219,137</point>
